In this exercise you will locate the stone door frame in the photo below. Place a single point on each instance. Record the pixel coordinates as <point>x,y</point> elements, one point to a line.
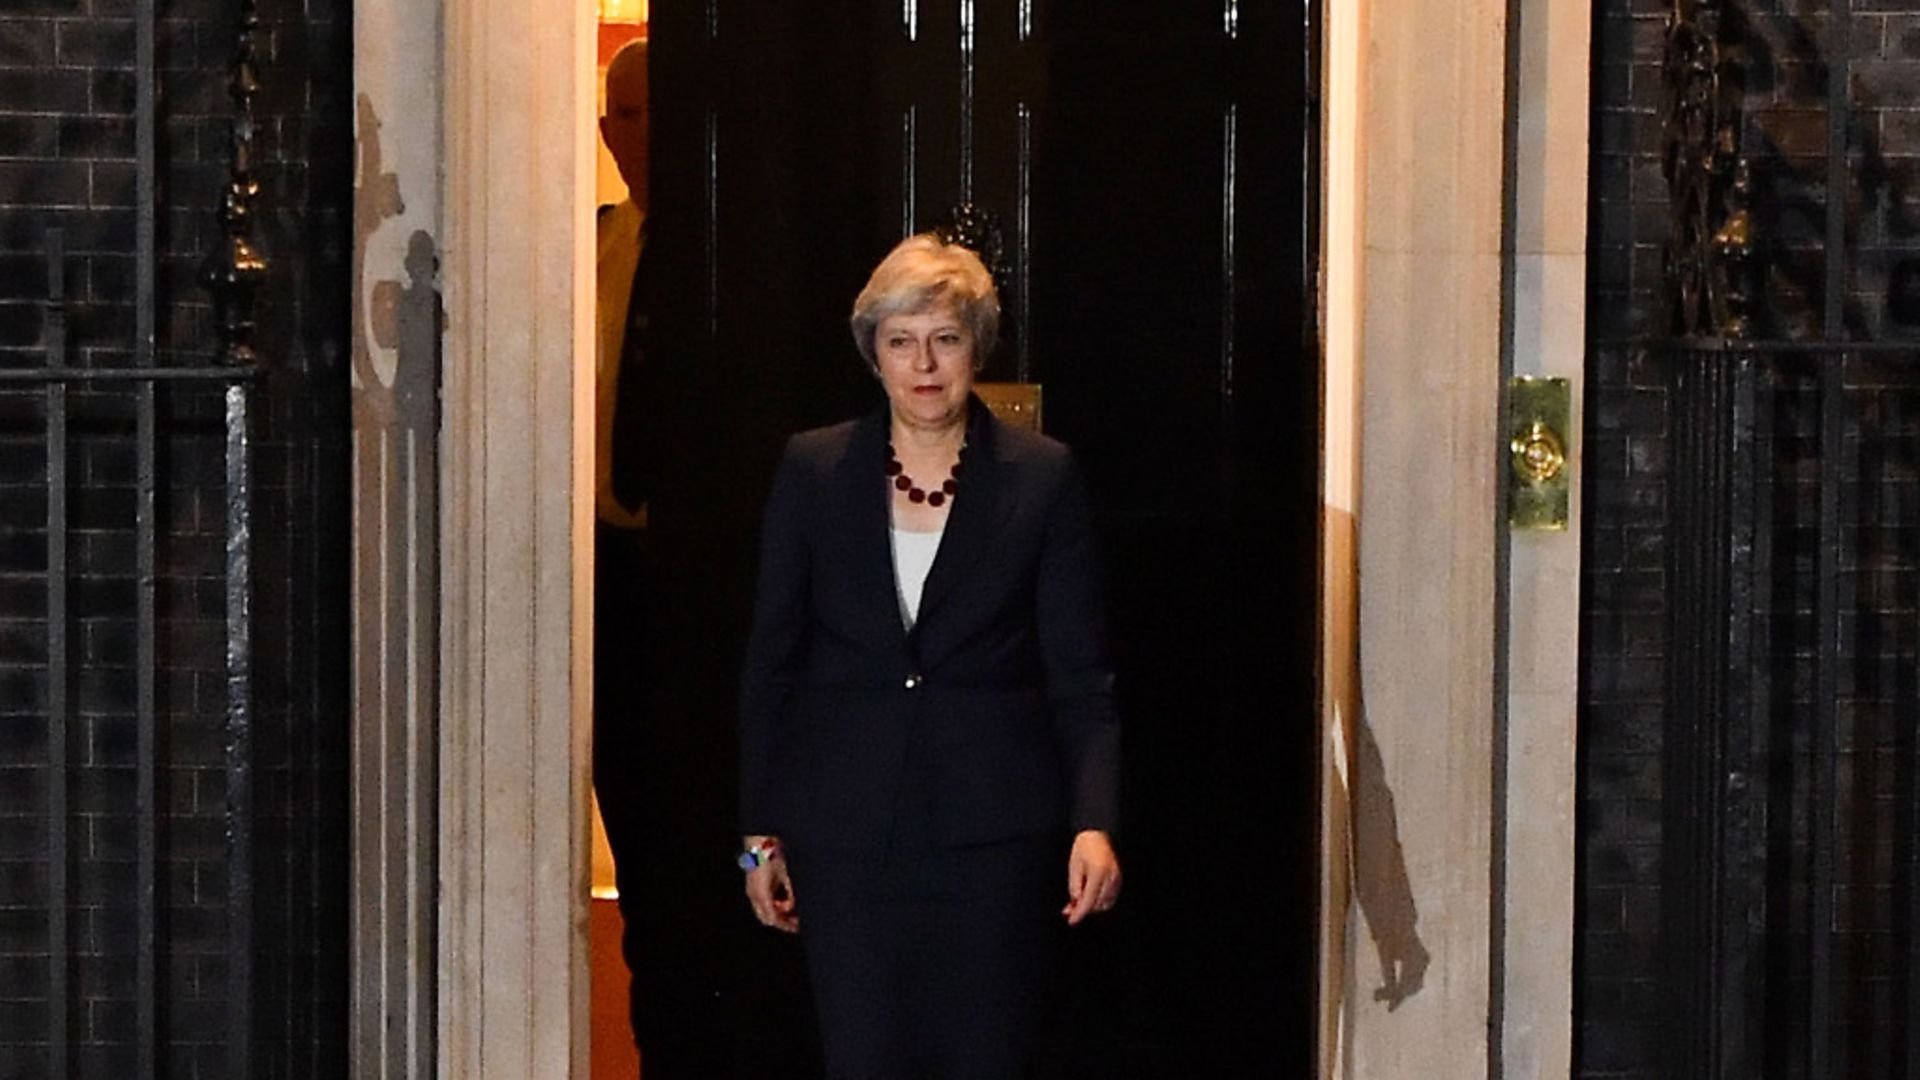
<point>470,856</point>
<point>485,112</point>
<point>1455,256</point>
<point>516,570</point>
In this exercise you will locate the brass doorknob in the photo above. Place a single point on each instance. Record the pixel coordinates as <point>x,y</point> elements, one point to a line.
<point>1538,453</point>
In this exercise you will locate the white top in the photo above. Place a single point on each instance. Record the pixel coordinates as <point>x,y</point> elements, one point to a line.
<point>913,554</point>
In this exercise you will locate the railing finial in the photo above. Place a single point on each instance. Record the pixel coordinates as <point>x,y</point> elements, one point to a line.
<point>235,270</point>
<point>1709,184</point>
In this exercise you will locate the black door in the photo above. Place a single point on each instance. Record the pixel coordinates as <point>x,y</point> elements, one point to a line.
<point>1146,165</point>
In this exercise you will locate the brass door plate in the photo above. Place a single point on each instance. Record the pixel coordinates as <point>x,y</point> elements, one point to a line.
<point>1539,491</point>
<point>1016,404</point>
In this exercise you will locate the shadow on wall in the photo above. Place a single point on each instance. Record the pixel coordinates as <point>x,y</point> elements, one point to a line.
<point>1380,873</point>
<point>397,330</point>
<point>1368,866</point>
<point>403,319</point>
<point>397,325</point>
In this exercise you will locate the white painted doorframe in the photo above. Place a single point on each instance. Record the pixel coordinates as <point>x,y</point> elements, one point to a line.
<point>486,109</point>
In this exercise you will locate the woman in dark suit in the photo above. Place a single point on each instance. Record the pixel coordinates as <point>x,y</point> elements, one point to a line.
<point>927,726</point>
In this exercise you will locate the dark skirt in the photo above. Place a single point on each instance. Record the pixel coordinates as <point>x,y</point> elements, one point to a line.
<point>931,963</point>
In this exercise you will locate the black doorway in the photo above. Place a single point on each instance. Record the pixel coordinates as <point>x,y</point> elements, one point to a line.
<point>1148,165</point>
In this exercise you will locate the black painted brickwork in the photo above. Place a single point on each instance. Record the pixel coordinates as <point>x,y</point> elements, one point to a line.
<point>1624,588</point>
<point>1623,617</point>
<point>67,98</point>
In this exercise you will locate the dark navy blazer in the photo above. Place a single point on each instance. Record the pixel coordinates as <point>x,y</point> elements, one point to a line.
<point>1000,700</point>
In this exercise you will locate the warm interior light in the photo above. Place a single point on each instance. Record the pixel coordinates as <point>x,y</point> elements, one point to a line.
<point>621,21</point>
<point>623,11</point>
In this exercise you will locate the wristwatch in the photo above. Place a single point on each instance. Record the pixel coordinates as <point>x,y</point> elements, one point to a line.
<point>759,854</point>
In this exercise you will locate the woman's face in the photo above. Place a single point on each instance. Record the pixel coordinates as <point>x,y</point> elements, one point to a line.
<point>926,365</point>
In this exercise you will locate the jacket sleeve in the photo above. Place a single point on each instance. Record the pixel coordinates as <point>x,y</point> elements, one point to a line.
<point>776,646</point>
<point>1073,647</point>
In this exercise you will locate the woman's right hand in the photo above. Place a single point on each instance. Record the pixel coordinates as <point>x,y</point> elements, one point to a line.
<point>770,891</point>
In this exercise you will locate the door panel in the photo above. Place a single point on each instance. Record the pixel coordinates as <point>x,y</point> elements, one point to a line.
<point>1145,163</point>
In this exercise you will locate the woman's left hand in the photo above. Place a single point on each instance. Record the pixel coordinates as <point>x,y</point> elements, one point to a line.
<point>1093,876</point>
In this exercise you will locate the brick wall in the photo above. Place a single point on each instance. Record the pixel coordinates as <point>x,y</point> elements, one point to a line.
<point>67,99</point>
<point>1623,618</point>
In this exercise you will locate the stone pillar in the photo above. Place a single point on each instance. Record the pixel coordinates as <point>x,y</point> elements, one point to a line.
<point>517,575</point>
<point>1449,775</point>
<point>1416,735</point>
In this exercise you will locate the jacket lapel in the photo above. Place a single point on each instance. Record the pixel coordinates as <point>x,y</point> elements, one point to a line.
<point>976,517</point>
<point>863,498</point>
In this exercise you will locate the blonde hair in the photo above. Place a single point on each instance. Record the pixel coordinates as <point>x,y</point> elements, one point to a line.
<point>919,274</point>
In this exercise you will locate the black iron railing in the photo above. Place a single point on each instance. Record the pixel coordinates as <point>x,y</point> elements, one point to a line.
<point>1791,782</point>
<point>232,274</point>
<point>1792,750</point>
<point>238,385</point>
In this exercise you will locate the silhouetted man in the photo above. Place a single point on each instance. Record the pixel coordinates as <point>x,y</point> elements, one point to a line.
<point>711,999</point>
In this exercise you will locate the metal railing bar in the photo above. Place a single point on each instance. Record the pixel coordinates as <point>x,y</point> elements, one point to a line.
<point>1824,733</point>
<point>1827,604</point>
<point>239,735</point>
<point>1738,783</point>
<point>130,375</point>
<point>1760,674</point>
<point>1688,546</point>
<point>1689,877</point>
<point>59,1050</point>
<point>1696,1054</point>
<point>1910,978</point>
<point>148,744</point>
<point>1713,762</point>
<point>1712,660</point>
<point>233,274</point>
<point>146,119</point>
<point>147,720</point>
<point>1706,728</point>
<point>1839,176</point>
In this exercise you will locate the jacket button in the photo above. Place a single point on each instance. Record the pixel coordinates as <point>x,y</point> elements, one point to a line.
<point>913,681</point>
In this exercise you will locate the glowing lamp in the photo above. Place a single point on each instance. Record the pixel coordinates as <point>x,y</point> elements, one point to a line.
<point>631,12</point>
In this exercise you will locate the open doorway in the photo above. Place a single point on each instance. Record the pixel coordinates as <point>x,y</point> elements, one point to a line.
<point>1150,194</point>
<point>620,25</point>
<point>1146,165</point>
<point>679,965</point>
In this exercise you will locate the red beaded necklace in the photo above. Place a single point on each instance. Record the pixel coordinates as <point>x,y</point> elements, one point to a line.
<point>915,493</point>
